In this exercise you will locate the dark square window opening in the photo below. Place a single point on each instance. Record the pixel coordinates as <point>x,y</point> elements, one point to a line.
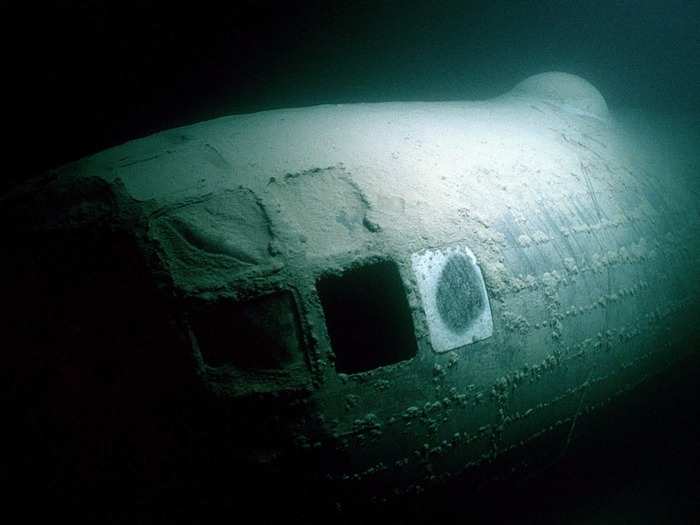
<point>367,317</point>
<point>259,333</point>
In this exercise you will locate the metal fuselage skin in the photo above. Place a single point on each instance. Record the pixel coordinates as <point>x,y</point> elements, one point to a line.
<point>583,225</point>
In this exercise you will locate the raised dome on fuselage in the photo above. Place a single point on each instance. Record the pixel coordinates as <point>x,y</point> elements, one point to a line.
<point>564,89</point>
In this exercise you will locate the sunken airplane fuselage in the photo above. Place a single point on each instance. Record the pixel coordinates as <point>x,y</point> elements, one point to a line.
<point>403,291</point>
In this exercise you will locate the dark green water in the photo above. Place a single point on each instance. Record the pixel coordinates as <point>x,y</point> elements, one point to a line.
<point>82,79</point>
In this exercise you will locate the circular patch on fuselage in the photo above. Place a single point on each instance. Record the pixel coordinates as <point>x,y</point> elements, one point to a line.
<point>458,295</point>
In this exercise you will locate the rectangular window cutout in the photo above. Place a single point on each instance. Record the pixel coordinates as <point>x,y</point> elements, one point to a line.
<point>260,333</point>
<point>367,317</point>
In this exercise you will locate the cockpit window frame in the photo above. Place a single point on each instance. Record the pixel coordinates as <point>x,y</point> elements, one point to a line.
<point>235,382</point>
<point>404,316</point>
<point>236,307</point>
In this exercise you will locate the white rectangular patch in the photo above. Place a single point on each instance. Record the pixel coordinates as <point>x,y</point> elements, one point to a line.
<point>454,297</point>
